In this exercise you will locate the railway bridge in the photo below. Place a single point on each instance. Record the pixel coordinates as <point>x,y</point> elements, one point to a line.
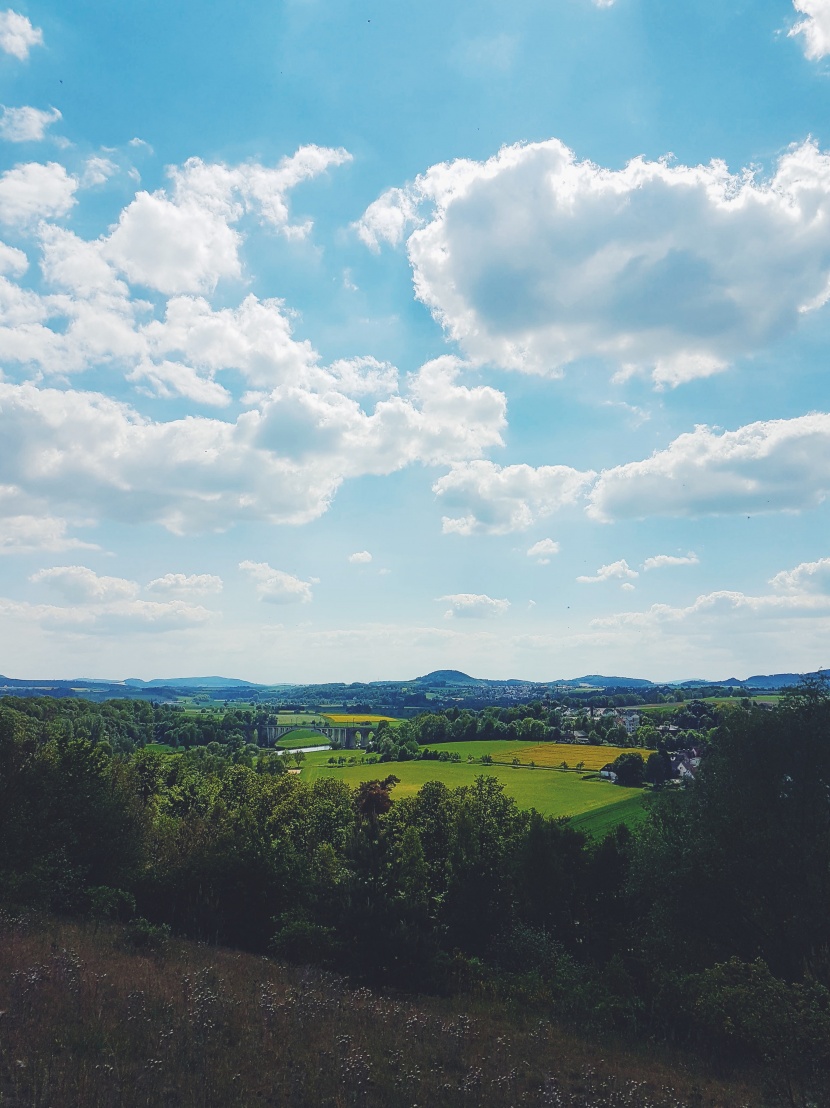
<point>348,738</point>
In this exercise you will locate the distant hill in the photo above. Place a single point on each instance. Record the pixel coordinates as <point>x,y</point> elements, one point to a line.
<point>447,677</point>
<point>777,680</point>
<point>598,681</point>
<point>192,683</point>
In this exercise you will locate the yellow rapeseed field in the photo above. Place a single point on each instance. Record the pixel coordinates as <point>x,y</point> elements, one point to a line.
<point>554,754</point>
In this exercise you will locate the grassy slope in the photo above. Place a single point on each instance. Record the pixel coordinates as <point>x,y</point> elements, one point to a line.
<point>87,1021</point>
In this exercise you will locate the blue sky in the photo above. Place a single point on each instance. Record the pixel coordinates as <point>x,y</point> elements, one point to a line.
<point>348,341</point>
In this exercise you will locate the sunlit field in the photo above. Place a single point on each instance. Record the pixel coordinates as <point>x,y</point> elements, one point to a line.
<point>552,792</point>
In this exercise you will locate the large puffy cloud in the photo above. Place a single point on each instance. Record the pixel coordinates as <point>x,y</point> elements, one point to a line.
<point>766,466</point>
<point>26,124</point>
<point>532,259</point>
<point>468,605</point>
<point>17,35</point>
<point>35,191</point>
<point>276,586</point>
<point>815,29</point>
<point>182,241</point>
<point>492,499</point>
<point>173,247</point>
<point>281,462</point>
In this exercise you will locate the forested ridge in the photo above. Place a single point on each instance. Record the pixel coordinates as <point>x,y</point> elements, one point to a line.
<point>706,928</point>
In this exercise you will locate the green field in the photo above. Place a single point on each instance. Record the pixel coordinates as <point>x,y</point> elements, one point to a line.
<point>303,736</point>
<point>597,804</point>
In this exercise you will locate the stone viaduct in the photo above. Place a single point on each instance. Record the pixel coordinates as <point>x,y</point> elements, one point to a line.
<point>349,738</point>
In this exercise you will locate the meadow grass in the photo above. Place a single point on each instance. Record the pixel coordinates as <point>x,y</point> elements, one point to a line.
<point>551,792</point>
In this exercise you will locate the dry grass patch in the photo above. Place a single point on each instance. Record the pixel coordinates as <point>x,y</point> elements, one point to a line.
<point>88,1021</point>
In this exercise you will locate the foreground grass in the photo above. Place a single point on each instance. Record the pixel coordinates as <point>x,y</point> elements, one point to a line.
<point>86,1020</point>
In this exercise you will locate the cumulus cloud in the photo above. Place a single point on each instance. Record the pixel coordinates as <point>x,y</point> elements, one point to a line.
<point>17,35</point>
<point>662,561</point>
<point>181,240</point>
<point>808,577</point>
<point>12,261</point>
<point>281,462</point>
<point>773,465</point>
<point>277,587</point>
<point>173,247</point>
<point>361,558</point>
<point>25,534</point>
<point>614,571</point>
<point>491,499</point>
<point>34,191</point>
<point>543,551</point>
<point>186,584</point>
<point>26,124</point>
<point>117,617</point>
<point>83,585</point>
<point>815,29</point>
<point>533,259</point>
<point>715,606</point>
<point>468,605</point>
<point>174,379</point>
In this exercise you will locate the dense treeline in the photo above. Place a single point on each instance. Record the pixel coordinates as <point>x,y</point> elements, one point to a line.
<point>691,929</point>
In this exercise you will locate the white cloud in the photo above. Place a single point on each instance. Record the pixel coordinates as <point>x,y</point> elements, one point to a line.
<point>281,462</point>
<point>12,261</point>
<point>182,584</point>
<point>815,28</point>
<point>277,587</point>
<point>34,191</point>
<point>543,551</point>
<point>26,124</point>
<point>25,534</point>
<point>17,35</point>
<point>173,247</point>
<point>603,3</point>
<point>716,606</point>
<point>97,170</point>
<point>491,499</point>
<point>468,605</point>
<point>808,577</point>
<point>83,585</point>
<point>662,561</point>
<point>361,557</point>
<point>116,617</point>
<point>533,260</point>
<point>781,464</point>
<point>174,379</point>
<point>614,571</point>
<point>181,241</point>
